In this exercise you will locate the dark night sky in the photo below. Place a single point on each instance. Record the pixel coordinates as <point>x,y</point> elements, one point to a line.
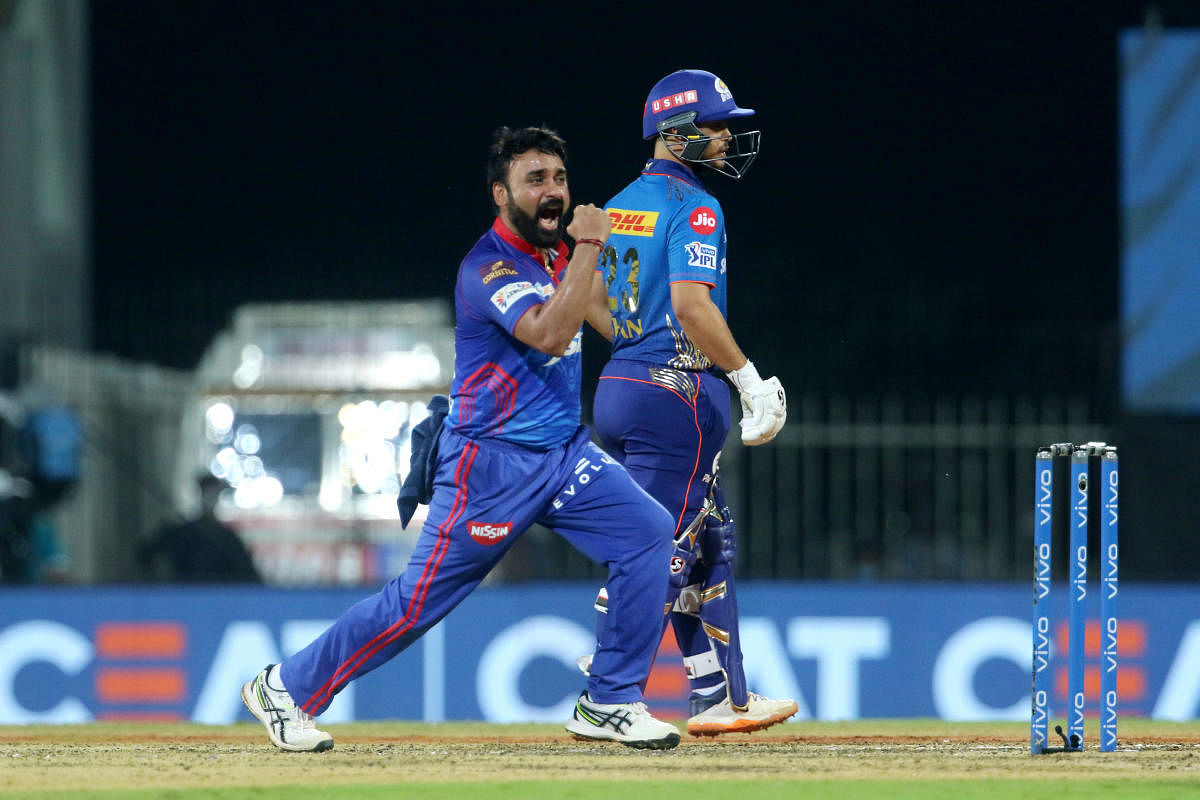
<point>937,182</point>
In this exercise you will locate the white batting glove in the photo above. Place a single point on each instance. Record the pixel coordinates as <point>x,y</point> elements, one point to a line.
<point>764,405</point>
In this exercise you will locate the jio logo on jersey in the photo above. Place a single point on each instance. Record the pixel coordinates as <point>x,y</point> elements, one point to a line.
<point>703,220</point>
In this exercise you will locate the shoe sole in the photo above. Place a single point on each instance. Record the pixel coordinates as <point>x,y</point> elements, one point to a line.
<point>247,693</point>
<point>742,725</point>
<point>666,743</point>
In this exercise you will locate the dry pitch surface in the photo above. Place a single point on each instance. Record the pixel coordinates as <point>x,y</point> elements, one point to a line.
<point>183,757</point>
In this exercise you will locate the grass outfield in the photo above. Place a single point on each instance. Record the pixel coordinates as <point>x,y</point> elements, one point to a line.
<point>893,759</point>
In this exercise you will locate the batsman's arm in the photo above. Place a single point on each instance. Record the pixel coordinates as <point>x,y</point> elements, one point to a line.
<point>705,325</point>
<point>764,405</point>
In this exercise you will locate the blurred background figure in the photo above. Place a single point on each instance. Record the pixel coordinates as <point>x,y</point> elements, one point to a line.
<point>200,550</point>
<point>40,444</point>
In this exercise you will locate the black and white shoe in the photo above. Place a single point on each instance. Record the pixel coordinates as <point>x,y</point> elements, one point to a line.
<point>288,727</point>
<point>628,723</point>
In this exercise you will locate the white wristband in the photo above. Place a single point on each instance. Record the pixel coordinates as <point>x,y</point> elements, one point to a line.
<point>746,377</point>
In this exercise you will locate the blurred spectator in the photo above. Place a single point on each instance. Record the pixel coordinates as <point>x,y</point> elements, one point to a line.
<point>199,550</point>
<point>40,444</point>
<point>49,563</point>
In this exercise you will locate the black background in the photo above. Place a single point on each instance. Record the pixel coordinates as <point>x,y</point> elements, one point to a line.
<point>935,209</point>
<point>935,205</point>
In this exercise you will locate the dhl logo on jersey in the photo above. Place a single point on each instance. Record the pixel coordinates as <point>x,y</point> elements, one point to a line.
<point>633,223</point>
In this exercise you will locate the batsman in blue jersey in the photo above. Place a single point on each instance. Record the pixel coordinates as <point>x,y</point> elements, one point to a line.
<point>510,453</point>
<point>662,404</point>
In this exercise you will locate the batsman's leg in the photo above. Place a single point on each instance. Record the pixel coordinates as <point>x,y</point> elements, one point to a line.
<point>715,607</point>
<point>689,576</point>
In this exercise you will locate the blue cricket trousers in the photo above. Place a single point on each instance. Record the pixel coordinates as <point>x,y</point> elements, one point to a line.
<point>486,493</point>
<point>666,427</point>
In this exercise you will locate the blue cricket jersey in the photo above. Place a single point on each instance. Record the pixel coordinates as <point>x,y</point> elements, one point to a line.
<point>666,228</point>
<point>503,388</point>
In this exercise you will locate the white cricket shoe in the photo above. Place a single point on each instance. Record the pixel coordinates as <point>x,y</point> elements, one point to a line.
<point>288,727</point>
<point>627,723</point>
<point>761,712</point>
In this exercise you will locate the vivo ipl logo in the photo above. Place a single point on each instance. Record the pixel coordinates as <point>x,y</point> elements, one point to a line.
<point>1045,479</point>
<point>1041,645</point>
<point>1081,500</point>
<point>1108,732</point>
<point>1113,495</point>
<point>1077,710</point>
<point>1041,590</point>
<point>1081,572</point>
<point>1081,511</point>
<point>1038,726</point>
<point>1110,577</point>
<point>1110,644</point>
<point>1041,567</point>
<point>1110,555</point>
<point>1042,572</point>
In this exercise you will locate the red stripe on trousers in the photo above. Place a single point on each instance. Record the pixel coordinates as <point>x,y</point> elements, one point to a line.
<point>347,669</point>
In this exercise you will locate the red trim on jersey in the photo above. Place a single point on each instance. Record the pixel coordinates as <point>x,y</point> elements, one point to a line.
<point>508,235</point>
<point>518,322</point>
<point>652,383</point>
<point>503,385</point>
<point>695,183</point>
<point>694,280</point>
<point>696,464</point>
<point>351,665</point>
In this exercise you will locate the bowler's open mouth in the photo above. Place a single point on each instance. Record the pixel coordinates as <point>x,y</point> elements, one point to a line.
<point>549,215</point>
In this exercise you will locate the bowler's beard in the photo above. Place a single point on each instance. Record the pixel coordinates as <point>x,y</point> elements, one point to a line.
<point>527,226</point>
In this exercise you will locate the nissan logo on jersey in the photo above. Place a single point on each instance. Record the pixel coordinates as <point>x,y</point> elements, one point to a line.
<point>703,220</point>
<point>487,533</point>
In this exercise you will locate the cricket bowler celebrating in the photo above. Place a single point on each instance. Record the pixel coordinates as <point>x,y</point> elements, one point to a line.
<point>511,452</point>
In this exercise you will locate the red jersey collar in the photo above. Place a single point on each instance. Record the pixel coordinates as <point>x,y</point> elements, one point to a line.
<point>560,250</point>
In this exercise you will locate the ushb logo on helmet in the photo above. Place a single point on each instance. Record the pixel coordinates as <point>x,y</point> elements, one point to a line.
<point>675,100</point>
<point>487,533</point>
<point>703,220</point>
